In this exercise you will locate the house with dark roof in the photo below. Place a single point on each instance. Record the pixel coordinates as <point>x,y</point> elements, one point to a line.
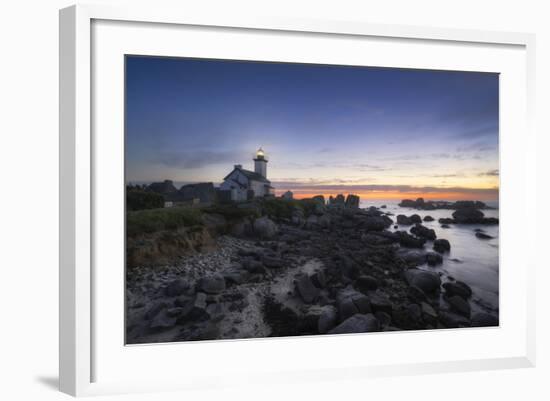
<point>244,184</point>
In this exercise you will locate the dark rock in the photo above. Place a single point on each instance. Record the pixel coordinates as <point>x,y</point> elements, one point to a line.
<point>409,241</point>
<point>319,199</point>
<point>416,218</point>
<point>428,218</point>
<point>403,220</point>
<point>174,312</point>
<point>427,281</point>
<point>422,231</point>
<point>481,235</point>
<point>383,318</point>
<point>484,320</point>
<point>468,216</point>
<point>412,257</point>
<point>193,308</point>
<point>380,303</point>
<point>376,223</point>
<point>446,220</point>
<point>351,302</point>
<point>357,323</point>
<point>155,309</point>
<point>347,308</point>
<point>459,305</point>
<point>272,262</point>
<point>306,289</point>
<point>415,294</point>
<point>434,259</point>
<point>415,312</point>
<point>452,320</point>
<point>265,228</point>
<point>339,200</point>
<point>319,279</point>
<point>366,283</point>
<point>178,287</point>
<point>327,319</point>
<point>215,312</point>
<point>352,201</point>
<point>254,266</point>
<point>445,226</point>
<point>162,321</point>
<point>442,245</point>
<point>428,312</point>
<point>213,284</point>
<point>457,288</point>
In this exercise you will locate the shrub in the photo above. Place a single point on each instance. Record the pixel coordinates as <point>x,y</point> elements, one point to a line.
<point>140,200</point>
<point>152,220</point>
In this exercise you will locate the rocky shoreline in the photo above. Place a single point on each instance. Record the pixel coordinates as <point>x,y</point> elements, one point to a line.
<point>322,268</point>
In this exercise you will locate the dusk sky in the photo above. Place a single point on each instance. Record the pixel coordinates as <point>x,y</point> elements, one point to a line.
<point>377,132</point>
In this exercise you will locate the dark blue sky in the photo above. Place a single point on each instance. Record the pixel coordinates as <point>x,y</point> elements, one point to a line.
<point>322,126</point>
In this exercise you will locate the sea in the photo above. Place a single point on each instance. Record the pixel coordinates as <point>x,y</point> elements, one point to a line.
<point>471,260</point>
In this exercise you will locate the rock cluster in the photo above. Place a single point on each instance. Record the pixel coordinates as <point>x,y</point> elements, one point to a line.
<point>336,269</point>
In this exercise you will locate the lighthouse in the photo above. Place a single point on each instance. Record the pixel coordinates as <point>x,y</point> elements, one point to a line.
<point>260,163</point>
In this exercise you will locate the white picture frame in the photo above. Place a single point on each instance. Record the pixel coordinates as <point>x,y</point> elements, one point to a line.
<point>79,344</point>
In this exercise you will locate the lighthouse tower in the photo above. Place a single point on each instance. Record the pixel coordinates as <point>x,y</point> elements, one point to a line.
<point>260,163</point>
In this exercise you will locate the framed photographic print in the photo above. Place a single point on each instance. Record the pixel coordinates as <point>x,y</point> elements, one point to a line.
<point>244,190</point>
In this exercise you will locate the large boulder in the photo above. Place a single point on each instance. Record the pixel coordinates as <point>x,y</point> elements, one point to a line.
<point>367,283</point>
<point>265,228</point>
<point>459,305</point>
<point>404,220</point>
<point>409,241</point>
<point>327,319</point>
<point>319,198</point>
<point>442,245</point>
<point>468,216</point>
<point>339,200</point>
<point>193,308</point>
<point>178,287</point>
<point>380,303</point>
<point>428,282</point>
<point>357,323</point>
<point>434,259</point>
<point>457,288</point>
<point>350,302</point>
<point>352,201</point>
<point>422,231</point>
<point>305,288</point>
<point>376,223</point>
<point>213,284</point>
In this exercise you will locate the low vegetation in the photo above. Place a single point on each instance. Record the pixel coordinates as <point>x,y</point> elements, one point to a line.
<point>153,220</point>
<point>137,199</point>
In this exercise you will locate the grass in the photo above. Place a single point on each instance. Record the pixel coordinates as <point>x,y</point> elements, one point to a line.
<point>171,219</point>
<point>153,220</point>
<point>231,212</point>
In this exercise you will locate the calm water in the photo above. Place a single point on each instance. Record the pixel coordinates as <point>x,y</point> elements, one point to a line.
<point>471,260</point>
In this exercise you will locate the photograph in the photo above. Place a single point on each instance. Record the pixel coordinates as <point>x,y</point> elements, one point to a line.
<point>274,199</point>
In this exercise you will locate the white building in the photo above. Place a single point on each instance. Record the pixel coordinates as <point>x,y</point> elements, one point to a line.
<point>245,184</point>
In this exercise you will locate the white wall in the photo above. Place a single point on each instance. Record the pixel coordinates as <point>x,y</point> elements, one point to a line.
<point>28,200</point>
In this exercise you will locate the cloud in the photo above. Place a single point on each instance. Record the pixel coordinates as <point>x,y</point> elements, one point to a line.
<point>490,173</point>
<point>197,159</point>
<point>315,186</point>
